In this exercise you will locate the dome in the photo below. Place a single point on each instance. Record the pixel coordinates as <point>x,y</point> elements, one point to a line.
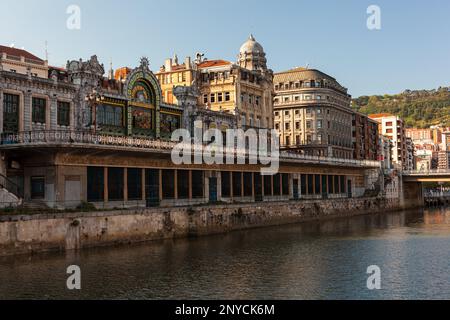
<point>251,46</point>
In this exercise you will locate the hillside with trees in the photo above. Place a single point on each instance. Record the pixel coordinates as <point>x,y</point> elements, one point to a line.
<point>418,108</point>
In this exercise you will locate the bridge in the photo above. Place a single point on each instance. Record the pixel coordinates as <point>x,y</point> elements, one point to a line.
<point>432,175</point>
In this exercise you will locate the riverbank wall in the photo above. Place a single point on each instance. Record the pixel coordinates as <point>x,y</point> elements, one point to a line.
<point>21,234</point>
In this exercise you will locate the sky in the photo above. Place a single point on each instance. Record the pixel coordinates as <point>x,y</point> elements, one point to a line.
<point>410,51</point>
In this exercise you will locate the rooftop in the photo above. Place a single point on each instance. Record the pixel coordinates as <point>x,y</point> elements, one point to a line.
<point>11,51</point>
<point>213,63</point>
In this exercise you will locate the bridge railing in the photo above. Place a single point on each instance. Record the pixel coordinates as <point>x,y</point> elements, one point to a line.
<point>426,172</point>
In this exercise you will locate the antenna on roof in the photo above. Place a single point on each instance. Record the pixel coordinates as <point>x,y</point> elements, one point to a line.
<point>46,50</point>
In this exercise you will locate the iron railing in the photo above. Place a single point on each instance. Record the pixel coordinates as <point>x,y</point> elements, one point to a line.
<point>89,137</point>
<point>10,186</point>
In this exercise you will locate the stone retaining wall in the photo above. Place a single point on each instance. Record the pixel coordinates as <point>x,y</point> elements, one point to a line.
<point>66,231</point>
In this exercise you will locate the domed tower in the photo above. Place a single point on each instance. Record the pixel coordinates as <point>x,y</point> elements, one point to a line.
<point>252,55</point>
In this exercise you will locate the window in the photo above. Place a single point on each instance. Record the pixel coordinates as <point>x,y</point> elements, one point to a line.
<point>95,184</point>
<point>286,113</point>
<point>115,184</point>
<point>286,99</point>
<point>319,124</point>
<point>10,113</point>
<point>285,184</point>
<point>267,185</point>
<point>288,140</point>
<point>37,187</point>
<point>220,97</point>
<point>297,139</point>
<point>250,99</point>
<point>287,126</point>
<point>276,184</point>
<point>168,184</point>
<point>297,112</point>
<point>39,106</point>
<point>297,125</point>
<point>63,113</point>
<point>277,114</point>
<point>257,99</point>
<point>237,184</point>
<point>134,183</point>
<point>248,179</point>
<point>197,184</point>
<point>212,98</point>
<point>109,115</point>
<point>389,124</point>
<point>225,182</point>
<point>227,96</point>
<point>205,98</point>
<point>277,126</point>
<point>308,124</point>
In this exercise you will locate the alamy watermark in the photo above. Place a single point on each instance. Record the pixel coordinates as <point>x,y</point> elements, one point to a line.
<point>74,280</point>
<point>374,280</point>
<point>252,146</point>
<point>374,19</point>
<point>73,22</point>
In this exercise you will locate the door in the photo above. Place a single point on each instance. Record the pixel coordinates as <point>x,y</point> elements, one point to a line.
<point>213,189</point>
<point>295,188</point>
<point>72,191</point>
<point>152,187</point>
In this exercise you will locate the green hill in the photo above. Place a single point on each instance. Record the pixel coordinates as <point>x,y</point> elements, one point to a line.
<point>420,108</point>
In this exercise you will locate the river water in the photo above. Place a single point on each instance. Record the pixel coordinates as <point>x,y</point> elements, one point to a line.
<point>326,260</point>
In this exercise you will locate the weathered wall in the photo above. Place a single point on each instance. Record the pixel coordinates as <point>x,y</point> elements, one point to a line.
<point>25,234</point>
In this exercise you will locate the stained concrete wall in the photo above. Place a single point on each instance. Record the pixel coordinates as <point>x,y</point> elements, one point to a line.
<point>26,234</point>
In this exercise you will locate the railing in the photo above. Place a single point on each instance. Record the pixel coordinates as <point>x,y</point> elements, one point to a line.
<point>88,137</point>
<point>426,172</point>
<point>10,186</point>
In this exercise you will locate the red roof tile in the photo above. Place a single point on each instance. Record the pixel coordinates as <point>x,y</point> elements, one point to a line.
<point>19,53</point>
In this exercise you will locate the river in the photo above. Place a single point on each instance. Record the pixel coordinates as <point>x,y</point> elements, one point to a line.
<point>320,260</point>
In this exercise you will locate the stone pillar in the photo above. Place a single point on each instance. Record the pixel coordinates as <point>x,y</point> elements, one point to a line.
<point>125,184</point>
<point>53,113</point>
<point>143,183</point>
<point>175,184</point>
<point>105,184</point>
<point>190,184</point>
<point>27,101</point>
<point>160,185</point>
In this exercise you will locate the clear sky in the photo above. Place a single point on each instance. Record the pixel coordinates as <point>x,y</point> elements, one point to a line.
<point>411,51</point>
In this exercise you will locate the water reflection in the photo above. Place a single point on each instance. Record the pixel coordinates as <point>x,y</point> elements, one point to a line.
<point>326,260</point>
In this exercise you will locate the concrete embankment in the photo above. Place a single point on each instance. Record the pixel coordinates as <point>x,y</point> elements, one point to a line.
<point>67,231</point>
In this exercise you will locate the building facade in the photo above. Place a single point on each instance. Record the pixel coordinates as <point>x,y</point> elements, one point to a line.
<point>77,136</point>
<point>393,127</point>
<point>244,88</point>
<point>312,113</point>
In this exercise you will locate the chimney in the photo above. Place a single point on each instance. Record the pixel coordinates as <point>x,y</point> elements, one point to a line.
<point>168,65</point>
<point>187,62</point>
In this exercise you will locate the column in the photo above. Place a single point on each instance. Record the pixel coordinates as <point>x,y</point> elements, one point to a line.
<point>53,110</point>
<point>190,184</point>
<point>125,184</point>
<point>175,184</point>
<point>27,101</point>
<point>143,183</point>
<point>160,185</point>
<point>105,184</point>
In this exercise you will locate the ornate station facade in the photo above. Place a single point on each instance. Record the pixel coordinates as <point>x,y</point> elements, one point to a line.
<point>74,135</point>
